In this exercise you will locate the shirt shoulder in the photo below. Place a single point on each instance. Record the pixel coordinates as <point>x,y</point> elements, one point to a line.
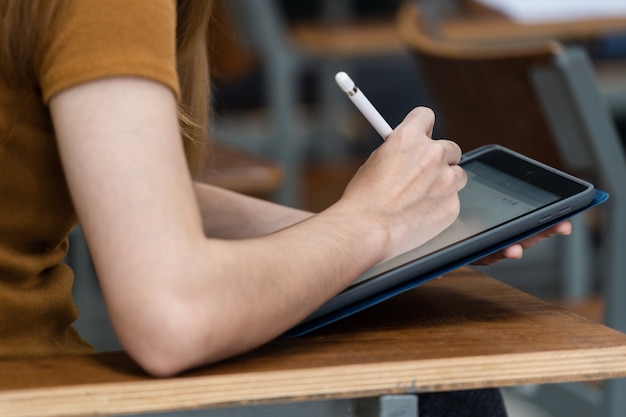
<point>92,39</point>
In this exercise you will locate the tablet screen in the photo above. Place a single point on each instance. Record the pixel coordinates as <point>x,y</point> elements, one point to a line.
<point>490,198</point>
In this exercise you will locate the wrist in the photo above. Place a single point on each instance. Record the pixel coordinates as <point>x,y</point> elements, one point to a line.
<point>372,233</point>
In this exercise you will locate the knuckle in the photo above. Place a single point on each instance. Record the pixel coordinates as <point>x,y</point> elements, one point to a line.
<point>420,119</point>
<point>423,112</point>
<point>449,180</point>
<point>433,153</point>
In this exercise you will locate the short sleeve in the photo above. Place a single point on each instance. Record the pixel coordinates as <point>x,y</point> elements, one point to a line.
<point>92,39</point>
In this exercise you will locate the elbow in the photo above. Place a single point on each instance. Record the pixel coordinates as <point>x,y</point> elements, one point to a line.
<point>167,344</point>
<point>174,352</point>
<point>164,346</point>
<point>171,358</point>
<point>159,356</point>
<point>167,358</point>
<point>159,364</point>
<point>171,328</point>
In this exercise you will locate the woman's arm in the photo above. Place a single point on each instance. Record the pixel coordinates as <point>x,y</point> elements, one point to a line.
<point>178,299</point>
<point>230,215</point>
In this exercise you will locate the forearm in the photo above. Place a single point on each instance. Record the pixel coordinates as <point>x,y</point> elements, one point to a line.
<point>238,294</point>
<point>294,271</point>
<point>230,215</point>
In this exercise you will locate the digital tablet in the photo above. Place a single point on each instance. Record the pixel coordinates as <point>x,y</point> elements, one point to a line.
<point>508,196</point>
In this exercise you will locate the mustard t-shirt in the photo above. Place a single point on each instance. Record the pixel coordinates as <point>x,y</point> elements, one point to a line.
<point>88,39</point>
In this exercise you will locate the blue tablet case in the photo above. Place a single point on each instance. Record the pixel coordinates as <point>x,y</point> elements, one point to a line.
<point>306,327</point>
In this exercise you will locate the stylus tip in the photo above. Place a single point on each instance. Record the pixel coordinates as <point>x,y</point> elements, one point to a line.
<point>344,81</point>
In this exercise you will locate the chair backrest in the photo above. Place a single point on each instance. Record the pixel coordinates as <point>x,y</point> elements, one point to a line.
<point>483,93</point>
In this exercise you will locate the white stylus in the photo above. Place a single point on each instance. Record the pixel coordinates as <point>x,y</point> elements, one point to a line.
<point>363,104</point>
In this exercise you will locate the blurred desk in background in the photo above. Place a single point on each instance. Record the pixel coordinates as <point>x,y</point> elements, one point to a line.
<point>242,172</point>
<point>473,21</point>
<point>510,21</point>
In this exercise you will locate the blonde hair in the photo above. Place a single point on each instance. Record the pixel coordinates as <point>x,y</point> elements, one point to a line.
<point>18,40</point>
<point>193,71</point>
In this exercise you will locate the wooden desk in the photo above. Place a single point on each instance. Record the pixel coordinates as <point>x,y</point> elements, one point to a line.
<point>240,171</point>
<point>474,22</point>
<point>463,331</point>
<point>348,39</point>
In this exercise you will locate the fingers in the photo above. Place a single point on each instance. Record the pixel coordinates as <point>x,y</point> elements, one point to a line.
<point>516,251</point>
<point>435,162</point>
<point>453,151</point>
<point>423,118</point>
<point>410,179</point>
<point>563,228</point>
<point>461,177</point>
<point>491,259</point>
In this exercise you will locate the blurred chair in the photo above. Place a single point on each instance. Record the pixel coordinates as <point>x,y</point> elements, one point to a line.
<point>542,100</point>
<point>285,52</point>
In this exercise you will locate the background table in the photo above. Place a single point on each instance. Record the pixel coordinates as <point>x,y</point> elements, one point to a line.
<point>472,22</point>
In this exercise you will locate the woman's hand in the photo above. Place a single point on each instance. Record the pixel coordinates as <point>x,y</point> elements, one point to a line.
<point>409,185</point>
<point>516,251</point>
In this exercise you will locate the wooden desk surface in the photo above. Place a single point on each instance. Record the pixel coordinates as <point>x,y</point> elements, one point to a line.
<point>463,331</point>
<point>475,22</point>
<point>470,22</point>
<point>241,171</point>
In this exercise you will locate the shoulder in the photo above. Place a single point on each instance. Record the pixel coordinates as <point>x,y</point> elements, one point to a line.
<point>91,39</point>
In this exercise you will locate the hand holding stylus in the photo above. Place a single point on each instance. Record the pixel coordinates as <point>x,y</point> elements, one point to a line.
<point>409,180</point>
<point>384,130</point>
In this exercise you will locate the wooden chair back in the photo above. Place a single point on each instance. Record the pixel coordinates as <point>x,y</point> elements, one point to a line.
<point>483,93</point>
